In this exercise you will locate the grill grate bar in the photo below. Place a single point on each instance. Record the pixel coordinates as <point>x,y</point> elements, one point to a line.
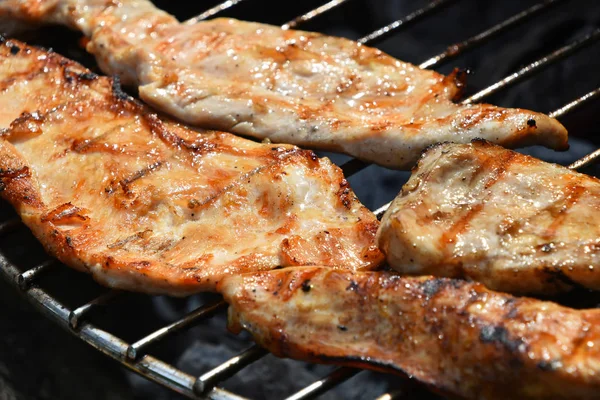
<point>585,161</point>
<point>536,66</point>
<point>457,49</point>
<point>9,226</point>
<point>388,30</point>
<point>149,367</point>
<point>135,350</point>
<point>575,104</point>
<point>77,315</point>
<point>25,279</point>
<point>211,12</point>
<point>210,379</point>
<point>313,14</point>
<point>319,387</point>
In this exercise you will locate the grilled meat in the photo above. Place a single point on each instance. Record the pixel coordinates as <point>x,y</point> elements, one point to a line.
<point>513,222</point>
<point>289,86</point>
<point>143,204</point>
<point>456,336</point>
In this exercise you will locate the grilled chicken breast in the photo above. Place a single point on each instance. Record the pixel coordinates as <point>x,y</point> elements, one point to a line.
<point>513,222</point>
<point>289,86</point>
<point>143,204</point>
<point>456,336</point>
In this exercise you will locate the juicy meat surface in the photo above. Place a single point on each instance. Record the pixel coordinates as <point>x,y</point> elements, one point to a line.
<point>289,86</point>
<point>457,337</point>
<point>148,205</point>
<point>511,221</point>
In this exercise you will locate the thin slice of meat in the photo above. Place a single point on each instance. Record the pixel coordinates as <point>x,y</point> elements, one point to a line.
<point>457,337</point>
<point>511,221</point>
<point>289,86</point>
<point>153,206</point>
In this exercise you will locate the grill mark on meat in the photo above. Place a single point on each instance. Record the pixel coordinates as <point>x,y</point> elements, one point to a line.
<point>124,183</point>
<point>97,144</point>
<point>122,242</point>
<point>278,164</point>
<point>65,213</point>
<point>499,167</point>
<point>573,192</point>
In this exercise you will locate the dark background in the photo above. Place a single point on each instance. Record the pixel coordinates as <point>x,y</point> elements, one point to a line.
<point>38,360</point>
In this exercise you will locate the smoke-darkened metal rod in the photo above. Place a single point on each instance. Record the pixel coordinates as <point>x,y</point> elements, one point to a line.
<point>322,385</point>
<point>313,14</point>
<point>211,12</point>
<point>135,350</point>
<point>229,368</point>
<point>25,279</point>
<point>385,32</point>
<point>535,66</point>
<point>459,48</point>
<point>77,315</point>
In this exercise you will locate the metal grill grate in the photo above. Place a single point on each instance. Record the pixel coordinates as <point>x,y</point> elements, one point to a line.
<point>135,355</point>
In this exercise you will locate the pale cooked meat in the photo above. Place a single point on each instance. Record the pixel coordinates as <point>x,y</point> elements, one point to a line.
<point>458,337</point>
<point>148,205</point>
<point>289,86</point>
<point>513,222</point>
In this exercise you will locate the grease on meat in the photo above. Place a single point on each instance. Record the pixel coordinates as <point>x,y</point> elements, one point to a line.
<point>455,336</point>
<point>289,86</point>
<point>153,206</point>
<point>511,221</point>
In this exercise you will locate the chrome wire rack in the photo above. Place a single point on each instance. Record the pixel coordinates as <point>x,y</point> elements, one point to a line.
<point>135,355</point>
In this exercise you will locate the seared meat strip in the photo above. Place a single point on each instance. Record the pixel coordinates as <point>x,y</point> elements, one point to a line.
<point>147,205</point>
<point>458,337</point>
<point>513,222</point>
<point>289,86</point>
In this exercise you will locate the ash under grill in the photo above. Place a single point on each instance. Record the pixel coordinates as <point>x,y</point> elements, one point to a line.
<point>537,42</point>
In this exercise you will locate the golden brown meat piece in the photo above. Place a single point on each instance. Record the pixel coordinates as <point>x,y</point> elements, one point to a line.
<point>457,337</point>
<point>513,222</point>
<point>142,204</point>
<point>289,86</point>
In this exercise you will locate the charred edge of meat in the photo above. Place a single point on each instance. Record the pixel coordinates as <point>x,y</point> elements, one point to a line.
<point>117,90</point>
<point>557,275</point>
<point>14,49</point>
<point>426,150</point>
<point>86,76</point>
<point>459,78</point>
<point>499,335</point>
<point>345,194</point>
<point>380,366</point>
<point>431,287</point>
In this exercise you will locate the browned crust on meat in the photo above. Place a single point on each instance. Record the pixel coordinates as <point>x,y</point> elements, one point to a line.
<point>507,220</point>
<point>140,259</point>
<point>455,336</point>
